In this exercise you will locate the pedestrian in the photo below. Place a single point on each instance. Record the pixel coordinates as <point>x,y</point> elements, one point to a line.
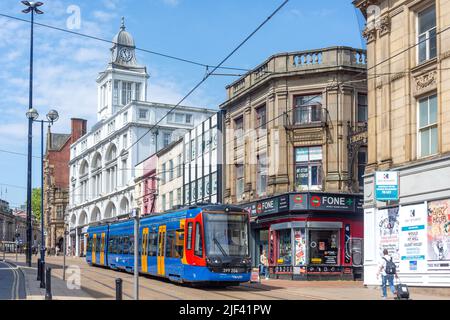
<point>264,263</point>
<point>388,270</point>
<point>57,250</point>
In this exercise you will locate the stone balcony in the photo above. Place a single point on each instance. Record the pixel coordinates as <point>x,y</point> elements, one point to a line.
<point>298,62</point>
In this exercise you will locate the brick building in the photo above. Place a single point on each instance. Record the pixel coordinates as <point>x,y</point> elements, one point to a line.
<point>56,181</point>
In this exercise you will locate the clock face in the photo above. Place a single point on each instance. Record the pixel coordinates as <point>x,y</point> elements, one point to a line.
<point>125,54</point>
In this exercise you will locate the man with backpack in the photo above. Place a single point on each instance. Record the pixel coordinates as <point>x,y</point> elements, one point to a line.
<point>388,270</point>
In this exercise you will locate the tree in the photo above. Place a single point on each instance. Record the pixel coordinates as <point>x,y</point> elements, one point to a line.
<point>36,203</point>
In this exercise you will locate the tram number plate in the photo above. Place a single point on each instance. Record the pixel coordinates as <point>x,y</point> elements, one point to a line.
<point>231,270</point>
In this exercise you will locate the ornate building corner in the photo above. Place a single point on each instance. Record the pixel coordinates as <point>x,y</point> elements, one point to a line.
<point>369,34</point>
<point>384,26</point>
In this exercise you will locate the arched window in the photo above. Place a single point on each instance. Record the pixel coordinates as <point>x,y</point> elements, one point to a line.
<point>110,211</point>
<point>96,175</point>
<point>111,169</point>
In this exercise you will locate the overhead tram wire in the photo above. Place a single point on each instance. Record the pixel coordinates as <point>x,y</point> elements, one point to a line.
<point>207,76</point>
<point>112,42</point>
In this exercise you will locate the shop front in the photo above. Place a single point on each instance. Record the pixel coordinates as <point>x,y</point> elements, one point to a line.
<point>309,235</point>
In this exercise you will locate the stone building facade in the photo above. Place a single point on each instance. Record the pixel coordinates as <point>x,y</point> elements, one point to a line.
<point>408,52</point>
<point>56,182</point>
<point>294,132</point>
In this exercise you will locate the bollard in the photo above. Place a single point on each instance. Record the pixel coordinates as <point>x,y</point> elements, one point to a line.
<point>42,286</point>
<point>48,284</point>
<point>39,270</point>
<point>118,289</point>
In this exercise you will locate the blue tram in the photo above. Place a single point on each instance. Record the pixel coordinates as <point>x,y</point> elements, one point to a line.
<point>192,245</point>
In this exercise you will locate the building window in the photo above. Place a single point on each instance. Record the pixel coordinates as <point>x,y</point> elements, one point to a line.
<point>427,34</point>
<point>200,146</point>
<point>163,174</point>
<point>137,93</point>
<point>143,114</point>
<point>125,118</point>
<point>125,141</point>
<point>239,181</point>
<point>428,129</point>
<point>362,162</point>
<point>261,174</point>
<point>188,118</point>
<point>116,92</point>
<point>179,165</point>
<point>171,170</point>
<point>214,183</point>
<point>362,107</point>
<point>179,197</point>
<point>239,131</point>
<point>126,92</point>
<point>124,173</point>
<point>193,149</point>
<point>59,212</point>
<point>111,127</point>
<point>171,200</point>
<point>308,168</point>
<point>163,203</point>
<point>261,121</point>
<point>166,139</point>
<point>308,109</point>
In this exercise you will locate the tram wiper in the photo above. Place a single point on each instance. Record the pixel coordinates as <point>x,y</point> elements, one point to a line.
<point>220,246</point>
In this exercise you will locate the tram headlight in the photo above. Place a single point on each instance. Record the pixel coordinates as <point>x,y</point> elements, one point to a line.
<point>214,260</point>
<point>246,261</point>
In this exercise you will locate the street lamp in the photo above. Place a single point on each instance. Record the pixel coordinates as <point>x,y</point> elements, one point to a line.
<point>33,8</point>
<point>52,117</point>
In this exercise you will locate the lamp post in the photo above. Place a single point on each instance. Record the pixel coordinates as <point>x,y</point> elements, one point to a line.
<point>52,117</point>
<point>33,8</point>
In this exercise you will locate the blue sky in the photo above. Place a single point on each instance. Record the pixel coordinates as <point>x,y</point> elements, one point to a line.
<point>66,66</point>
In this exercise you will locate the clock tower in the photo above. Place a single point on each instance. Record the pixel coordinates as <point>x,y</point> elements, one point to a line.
<point>123,80</point>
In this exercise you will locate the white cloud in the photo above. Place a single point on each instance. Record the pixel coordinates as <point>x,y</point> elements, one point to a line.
<point>172,3</point>
<point>104,16</point>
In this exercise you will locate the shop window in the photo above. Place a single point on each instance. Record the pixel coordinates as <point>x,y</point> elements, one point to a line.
<point>299,247</point>
<point>323,247</point>
<point>284,248</point>
<point>308,168</point>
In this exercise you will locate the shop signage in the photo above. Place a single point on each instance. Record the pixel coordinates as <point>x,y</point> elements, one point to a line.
<point>332,202</point>
<point>304,202</point>
<point>413,238</point>
<point>298,201</point>
<point>386,186</point>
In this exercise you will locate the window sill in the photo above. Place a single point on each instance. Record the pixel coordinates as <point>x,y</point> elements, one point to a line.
<point>431,63</point>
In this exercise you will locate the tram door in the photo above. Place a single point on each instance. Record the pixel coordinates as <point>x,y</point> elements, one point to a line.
<point>144,252</point>
<point>102,250</point>
<point>94,249</point>
<point>161,250</point>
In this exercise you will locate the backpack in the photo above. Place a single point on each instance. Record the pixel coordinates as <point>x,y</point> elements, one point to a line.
<point>390,266</point>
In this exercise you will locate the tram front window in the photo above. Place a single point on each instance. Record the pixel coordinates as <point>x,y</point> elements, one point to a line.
<point>226,235</point>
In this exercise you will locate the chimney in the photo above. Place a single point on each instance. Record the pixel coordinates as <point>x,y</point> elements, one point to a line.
<point>79,129</point>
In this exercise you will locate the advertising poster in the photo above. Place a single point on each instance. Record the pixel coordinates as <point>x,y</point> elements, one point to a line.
<point>438,234</point>
<point>300,247</point>
<point>388,232</point>
<point>413,239</point>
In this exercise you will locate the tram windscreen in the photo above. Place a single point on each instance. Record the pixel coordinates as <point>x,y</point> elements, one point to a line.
<point>226,234</point>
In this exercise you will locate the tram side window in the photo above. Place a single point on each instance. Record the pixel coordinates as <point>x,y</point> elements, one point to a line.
<point>131,244</point>
<point>120,247</point>
<point>189,236</point>
<point>198,249</point>
<point>153,244</point>
<point>111,245</point>
<point>89,244</point>
<point>170,244</point>
<point>179,243</point>
<point>126,245</point>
